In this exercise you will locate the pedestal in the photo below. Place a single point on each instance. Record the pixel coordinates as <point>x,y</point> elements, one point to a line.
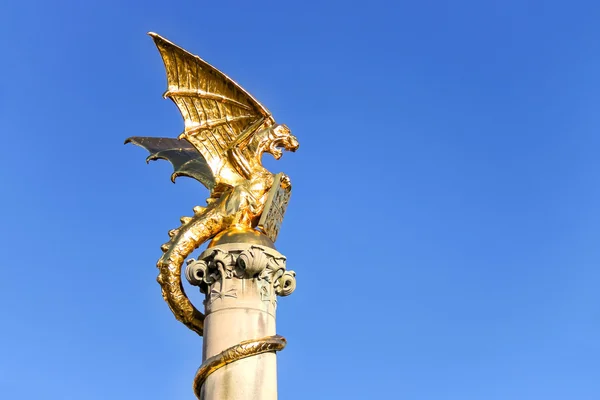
<point>241,283</point>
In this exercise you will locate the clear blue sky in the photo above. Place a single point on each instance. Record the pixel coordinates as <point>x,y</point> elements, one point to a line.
<point>445,220</point>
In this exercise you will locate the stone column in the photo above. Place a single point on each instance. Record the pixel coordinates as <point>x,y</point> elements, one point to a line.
<point>241,282</point>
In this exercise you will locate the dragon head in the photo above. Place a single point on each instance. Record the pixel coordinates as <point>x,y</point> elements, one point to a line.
<point>280,138</point>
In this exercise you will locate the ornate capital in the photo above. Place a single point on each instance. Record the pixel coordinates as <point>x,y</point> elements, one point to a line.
<point>217,269</point>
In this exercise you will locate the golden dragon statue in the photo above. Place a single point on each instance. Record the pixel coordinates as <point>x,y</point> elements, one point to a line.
<point>226,133</point>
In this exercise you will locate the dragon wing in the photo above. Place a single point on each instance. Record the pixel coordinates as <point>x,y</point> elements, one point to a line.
<point>183,156</point>
<point>218,113</point>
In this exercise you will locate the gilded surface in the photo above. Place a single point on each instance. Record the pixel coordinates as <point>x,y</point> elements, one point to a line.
<point>226,131</point>
<point>277,201</point>
<point>240,351</point>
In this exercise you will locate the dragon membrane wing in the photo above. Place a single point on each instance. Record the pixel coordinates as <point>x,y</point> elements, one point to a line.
<point>217,112</point>
<point>183,156</point>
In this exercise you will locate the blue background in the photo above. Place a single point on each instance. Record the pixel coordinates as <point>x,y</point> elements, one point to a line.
<point>444,224</point>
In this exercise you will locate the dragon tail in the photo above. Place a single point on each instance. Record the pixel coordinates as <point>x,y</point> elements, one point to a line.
<point>192,233</point>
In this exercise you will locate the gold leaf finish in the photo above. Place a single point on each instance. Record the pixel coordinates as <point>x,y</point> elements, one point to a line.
<point>240,351</point>
<point>226,132</point>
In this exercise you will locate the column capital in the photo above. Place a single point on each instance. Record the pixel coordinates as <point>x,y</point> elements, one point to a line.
<point>264,266</point>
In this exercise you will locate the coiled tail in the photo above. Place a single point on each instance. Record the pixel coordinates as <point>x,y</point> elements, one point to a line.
<point>192,233</point>
<point>235,353</point>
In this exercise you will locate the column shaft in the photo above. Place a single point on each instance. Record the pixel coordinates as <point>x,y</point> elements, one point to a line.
<point>241,283</point>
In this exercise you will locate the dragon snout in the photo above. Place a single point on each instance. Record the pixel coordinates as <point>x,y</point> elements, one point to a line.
<point>292,144</point>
